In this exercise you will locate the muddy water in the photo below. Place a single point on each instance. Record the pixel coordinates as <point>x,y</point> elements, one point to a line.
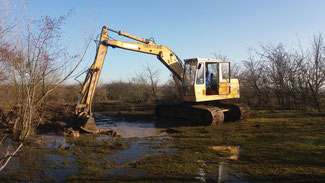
<point>129,129</point>
<point>137,150</point>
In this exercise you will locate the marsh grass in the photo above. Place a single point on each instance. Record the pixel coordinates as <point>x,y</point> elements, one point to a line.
<point>91,155</point>
<point>275,146</point>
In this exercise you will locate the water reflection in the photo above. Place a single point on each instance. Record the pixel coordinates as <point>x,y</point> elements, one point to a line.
<point>129,129</point>
<point>221,172</point>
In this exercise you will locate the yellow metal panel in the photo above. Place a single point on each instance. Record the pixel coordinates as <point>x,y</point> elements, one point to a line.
<point>98,64</point>
<point>224,88</point>
<point>165,55</point>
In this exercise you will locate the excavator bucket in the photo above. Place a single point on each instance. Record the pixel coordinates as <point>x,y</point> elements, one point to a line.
<point>90,126</point>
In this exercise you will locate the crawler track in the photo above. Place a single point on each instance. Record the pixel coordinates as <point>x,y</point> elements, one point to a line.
<point>203,114</point>
<point>235,112</point>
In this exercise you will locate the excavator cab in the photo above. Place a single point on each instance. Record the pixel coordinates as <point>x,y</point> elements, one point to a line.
<point>208,79</point>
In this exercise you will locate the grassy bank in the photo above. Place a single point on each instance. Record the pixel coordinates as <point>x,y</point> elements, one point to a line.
<point>275,146</point>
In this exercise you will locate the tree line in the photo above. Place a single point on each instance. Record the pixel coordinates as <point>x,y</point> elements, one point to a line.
<point>274,76</point>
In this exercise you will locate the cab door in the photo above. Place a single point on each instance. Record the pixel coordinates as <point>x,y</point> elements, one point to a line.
<point>212,78</point>
<point>189,78</point>
<point>224,78</point>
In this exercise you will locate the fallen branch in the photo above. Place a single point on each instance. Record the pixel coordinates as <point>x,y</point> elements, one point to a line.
<point>5,160</point>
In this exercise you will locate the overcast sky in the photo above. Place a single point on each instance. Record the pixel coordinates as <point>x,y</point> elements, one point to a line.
<point>191,28</point>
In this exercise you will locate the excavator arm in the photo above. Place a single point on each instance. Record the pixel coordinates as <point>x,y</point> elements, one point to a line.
<point>164,54</point>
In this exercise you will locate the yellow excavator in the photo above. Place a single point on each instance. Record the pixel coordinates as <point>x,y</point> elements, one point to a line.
<point>202,84</point>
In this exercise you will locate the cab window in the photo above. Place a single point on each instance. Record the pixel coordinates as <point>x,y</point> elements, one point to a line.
<point>224,72</point>
<point>200,74</point>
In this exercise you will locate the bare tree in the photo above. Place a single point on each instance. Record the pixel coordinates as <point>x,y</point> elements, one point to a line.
<point>255,83</point>
<point>275,59</point>
<point>220,56</point>
<point>42,66</point>
<point>150,78</point>
<point>170,93</point>
<point>11,15</point>
<point>297,79</point>
<point>5,158</point>
<point>316,69</point>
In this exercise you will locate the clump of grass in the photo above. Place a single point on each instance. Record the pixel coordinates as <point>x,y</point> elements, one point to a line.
<point>91,155</point>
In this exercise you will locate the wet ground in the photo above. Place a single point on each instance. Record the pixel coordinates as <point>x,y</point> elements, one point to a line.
<point>53,158</point>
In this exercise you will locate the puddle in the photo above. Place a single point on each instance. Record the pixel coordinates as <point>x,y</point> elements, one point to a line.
<point>139,149</point>
<point>61,166</point>
<point>221,172</point>
<point>41,164</point>
<point>107,121</point>
<point>140,132</point>
<point>129,129</point>
<point>51,141</point>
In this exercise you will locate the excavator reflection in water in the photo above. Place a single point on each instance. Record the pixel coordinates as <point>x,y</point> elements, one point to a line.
<point>202,83</point>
